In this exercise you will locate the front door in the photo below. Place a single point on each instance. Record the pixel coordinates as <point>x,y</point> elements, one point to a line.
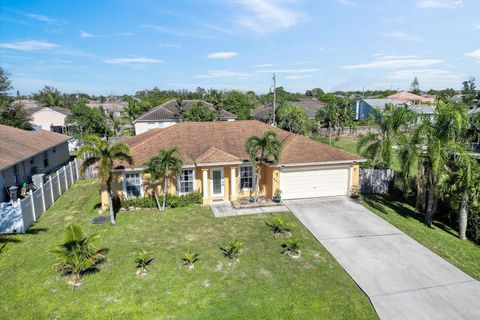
<point>217,183</point>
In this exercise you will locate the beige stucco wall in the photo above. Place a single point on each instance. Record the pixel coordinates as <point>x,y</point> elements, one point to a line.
<point>269,182</point>
<point>47,117</point>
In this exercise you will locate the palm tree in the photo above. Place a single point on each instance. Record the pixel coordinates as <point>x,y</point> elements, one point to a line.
<point>77,255</point>
<point>216,99</point>
<point>99,151</point>
<point>431,146</point>
<point>262,150</point>
<point>328,117</point>
<point>378,146</point>
<point>460,185</point>
<point>163,166</point>
<point>131,112</point>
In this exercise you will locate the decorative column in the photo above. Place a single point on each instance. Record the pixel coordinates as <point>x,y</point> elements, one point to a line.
<point>233,184</point>
<point>205,183</point>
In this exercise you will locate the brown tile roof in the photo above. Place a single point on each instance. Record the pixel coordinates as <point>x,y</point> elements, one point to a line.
<point>214,155</point>
<point>169,110</point>
<point>17,145</point>
<point>403,97</point>
<point>64,111</point>
<point>222,141</point>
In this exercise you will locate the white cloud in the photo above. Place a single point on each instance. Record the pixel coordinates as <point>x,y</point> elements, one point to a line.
<point>125,34</point>
<point>139,60</point>
<point>173,32</point>
<point>223,74</point>
<point>84,34</point>
<point>347,2</point>
<point>395,62</point>
<point>474,54</point>
<point>222,55</point>
<point>298,77</point>
<point>29,45</point>
<point>42,18</point>
<point>170,45</point>
<point>265,65</point>
<point>433,4</point>
<point>290,71</point>
<point>428,78</point>
<point>401,35</point>
<point>265,16</point>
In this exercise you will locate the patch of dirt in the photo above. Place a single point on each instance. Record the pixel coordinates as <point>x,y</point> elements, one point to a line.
<point>319,257</point>
<point>219,266</point>
<point>206,283</point>
<point>68,218</point>
<point>264,272</point>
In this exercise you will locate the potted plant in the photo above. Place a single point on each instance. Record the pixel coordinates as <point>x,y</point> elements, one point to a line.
<point>277,196</point>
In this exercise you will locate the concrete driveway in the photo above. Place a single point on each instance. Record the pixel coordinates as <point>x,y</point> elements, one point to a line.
<point>402,278</point>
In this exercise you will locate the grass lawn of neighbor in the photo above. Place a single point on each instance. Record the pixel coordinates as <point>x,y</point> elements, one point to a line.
<point>262,284</point>
<point>440,239</point>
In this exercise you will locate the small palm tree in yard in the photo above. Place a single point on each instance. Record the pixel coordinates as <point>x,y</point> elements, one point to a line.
<point>189,259</point>
<point>280,227</point>
<point>291,248</point>
<point>262,150</point>
<point>143,260</point>
<point>99,151</point>
<point>163,166</point>
<point>78,256</point>
<point>232,249</point>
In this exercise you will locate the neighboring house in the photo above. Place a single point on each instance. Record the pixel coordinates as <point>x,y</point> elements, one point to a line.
<point>410,98</point>
<point>169,114</point>
<point>49,118</point>
<point>310,105</point>
<point>363,107</point>
<point>25,153</point>
<point>216,164</point>
<point>27,103</point>
<point>115,106</point>
<point>424,110</point>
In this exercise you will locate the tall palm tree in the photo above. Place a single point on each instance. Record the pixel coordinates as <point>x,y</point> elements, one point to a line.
<point>99,151</point>
<point>216,99</point>
<point>460,185</point>
<point>378,146</point>
<point>163,166</point>
<point>131,112</point>
<point>262,150</point>
<point>431,146</point>
<point>77,255</point>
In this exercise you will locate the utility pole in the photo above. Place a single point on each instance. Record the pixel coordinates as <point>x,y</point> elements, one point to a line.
<point>274,98</point>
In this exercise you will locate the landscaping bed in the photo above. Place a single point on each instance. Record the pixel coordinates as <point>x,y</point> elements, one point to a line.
<point>245,203</point>
<point>262,284</point>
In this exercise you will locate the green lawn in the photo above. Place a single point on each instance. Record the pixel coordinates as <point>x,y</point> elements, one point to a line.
<point>440,239</point>
<point>350,144</point>
<point>263,284</point>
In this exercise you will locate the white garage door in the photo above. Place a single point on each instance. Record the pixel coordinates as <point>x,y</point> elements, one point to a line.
<point>298,183</point>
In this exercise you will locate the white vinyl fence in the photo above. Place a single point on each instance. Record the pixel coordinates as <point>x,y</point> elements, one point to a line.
<point>20,215</point>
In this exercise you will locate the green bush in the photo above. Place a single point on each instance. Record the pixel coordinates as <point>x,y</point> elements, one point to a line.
<point>172,201</point>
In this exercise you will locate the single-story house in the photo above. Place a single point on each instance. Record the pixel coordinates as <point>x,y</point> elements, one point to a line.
<point>169,113</point>
<point>363,107</point>
<point>424,110</point>
<point>410,98</point>
<point>216,164</point>
<point>111,105</point>
<point>49,118</point>
<point>310,105</point>
<point>25,153</point>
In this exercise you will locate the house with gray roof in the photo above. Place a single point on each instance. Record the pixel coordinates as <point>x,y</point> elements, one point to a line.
<point>170,113</point>
<point>310,105</point>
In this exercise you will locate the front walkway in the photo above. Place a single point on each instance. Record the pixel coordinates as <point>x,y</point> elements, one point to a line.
<point>225,209</point>
<point>402,278</point>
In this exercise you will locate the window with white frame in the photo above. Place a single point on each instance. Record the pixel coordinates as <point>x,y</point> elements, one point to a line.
<point>133,185</point>
<point>185,181</point>
<point>246,178</point>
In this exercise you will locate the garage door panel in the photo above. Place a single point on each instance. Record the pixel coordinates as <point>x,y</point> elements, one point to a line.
<point>310,183</point>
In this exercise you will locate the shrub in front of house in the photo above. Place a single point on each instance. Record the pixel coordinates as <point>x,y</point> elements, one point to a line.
<point>173,201</point>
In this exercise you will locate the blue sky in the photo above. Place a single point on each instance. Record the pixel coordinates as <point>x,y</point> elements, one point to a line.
<point>116,47</point>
